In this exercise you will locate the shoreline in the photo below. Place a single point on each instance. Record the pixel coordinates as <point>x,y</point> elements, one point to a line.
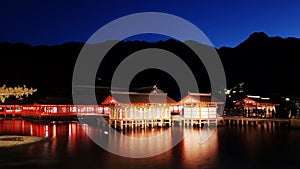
<point>8,141</point>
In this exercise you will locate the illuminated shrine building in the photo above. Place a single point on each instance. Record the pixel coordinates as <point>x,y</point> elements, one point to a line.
<point>125,108</point>
<point>199,106</point>
<point>139,106</point>
<point>254,106</point>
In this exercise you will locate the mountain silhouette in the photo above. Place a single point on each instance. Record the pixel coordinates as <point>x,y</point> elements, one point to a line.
<point>268,65</point>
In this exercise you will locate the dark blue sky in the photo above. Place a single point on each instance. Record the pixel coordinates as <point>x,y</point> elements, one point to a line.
<point>226,23</point>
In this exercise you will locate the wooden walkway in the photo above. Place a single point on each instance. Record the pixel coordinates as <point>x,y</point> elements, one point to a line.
<point>141,123</point>
<point>194,121</point>
<point>260,122</point>
<point>164,122</point>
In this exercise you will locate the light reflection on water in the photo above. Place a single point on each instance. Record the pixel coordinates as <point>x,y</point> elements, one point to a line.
<point>68,146</point>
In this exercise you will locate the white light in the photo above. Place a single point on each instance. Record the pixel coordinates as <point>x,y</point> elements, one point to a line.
<point>234,91</point>
<point>70,131</point>
<point>287,99</point>
<point>54,109</point>
<point>250,96</point>
<point>47,133</point>
<point>265,98</point>
<point>31,130</point>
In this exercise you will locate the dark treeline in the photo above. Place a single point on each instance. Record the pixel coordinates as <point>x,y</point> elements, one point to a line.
<point>266,64</point>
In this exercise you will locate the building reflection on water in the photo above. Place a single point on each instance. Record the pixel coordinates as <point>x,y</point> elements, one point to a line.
<point>66,142</point>
<point>200,146</point>
<point>159,137</point>
<point>68,145</point>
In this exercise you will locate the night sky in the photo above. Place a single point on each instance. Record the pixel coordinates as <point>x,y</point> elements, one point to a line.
<point>226,23</point>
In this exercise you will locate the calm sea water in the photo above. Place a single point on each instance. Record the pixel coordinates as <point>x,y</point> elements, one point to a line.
<point>68,146</point>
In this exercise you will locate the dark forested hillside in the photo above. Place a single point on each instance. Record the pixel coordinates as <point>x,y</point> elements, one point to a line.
<point>265,64</point>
